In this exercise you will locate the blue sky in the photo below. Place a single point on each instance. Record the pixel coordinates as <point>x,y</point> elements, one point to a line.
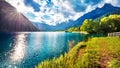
<point>53,12</point>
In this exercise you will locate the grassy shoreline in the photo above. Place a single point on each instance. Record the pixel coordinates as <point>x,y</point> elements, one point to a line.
<point>102,52</point>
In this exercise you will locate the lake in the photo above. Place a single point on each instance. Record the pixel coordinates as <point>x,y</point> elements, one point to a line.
<point>27,49</point>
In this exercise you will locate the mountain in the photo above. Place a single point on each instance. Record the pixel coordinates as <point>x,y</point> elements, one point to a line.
<point>13,21</point>
<point>98,12</point>
<point>46,27</point>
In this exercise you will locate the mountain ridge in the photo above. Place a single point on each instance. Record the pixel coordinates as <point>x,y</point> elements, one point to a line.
<point>13,21</point>
<point>96,13</point>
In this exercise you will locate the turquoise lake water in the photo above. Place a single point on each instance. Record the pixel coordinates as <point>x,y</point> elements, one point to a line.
<point>27,49</point>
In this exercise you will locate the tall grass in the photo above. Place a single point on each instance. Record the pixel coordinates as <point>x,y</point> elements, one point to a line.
<point>103,52</point>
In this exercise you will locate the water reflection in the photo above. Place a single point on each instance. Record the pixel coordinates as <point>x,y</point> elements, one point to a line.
<point>25,50</point>
<point>71,43</point>
<point>19,49</point>
<point>46,42</point>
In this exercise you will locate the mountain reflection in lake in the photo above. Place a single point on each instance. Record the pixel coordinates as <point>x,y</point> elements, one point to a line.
<point>26,49</point>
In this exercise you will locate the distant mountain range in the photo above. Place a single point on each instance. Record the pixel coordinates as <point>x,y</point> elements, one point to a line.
<point>98,12</point>
<point>13,21</point>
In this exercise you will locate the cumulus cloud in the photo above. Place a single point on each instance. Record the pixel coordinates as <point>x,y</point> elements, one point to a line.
<point>53,12</point>
<point>113,2</point>
<point>33,4</point>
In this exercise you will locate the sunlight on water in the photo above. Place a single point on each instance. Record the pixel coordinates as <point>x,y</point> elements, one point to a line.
<point>18,52</point>
<point>26,49</point>
<point>54,36</point>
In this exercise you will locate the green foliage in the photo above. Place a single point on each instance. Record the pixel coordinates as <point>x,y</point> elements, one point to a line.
<point>73,29</point>
<point>116,20</point>
<point>96,53</point>
<point>107,25</point>
<point>114,63</point>
<point>103,25</point>
<point>89,59</point>
<point>64,61</point>
<point>110,23</point>
<point>89,25</point>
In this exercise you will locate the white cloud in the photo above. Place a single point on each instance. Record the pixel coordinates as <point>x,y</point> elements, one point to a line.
<point>18,4</point>
<point>113,2</point>
<point>60,11</point>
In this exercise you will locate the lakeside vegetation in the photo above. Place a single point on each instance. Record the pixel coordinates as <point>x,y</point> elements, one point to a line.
<point>104,25</point>
<point>95,51</point>
<point>102,52</point>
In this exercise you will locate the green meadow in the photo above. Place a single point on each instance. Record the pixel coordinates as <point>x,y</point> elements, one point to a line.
<point>102,52</point>
<point>95,51</point>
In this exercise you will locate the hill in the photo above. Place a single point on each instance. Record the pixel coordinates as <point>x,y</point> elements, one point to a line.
<point>13,21</point>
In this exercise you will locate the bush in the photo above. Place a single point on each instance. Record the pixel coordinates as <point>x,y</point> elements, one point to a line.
<point>114,63</point>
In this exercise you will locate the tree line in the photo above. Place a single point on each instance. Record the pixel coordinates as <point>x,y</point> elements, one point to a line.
<point>105,24</point>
